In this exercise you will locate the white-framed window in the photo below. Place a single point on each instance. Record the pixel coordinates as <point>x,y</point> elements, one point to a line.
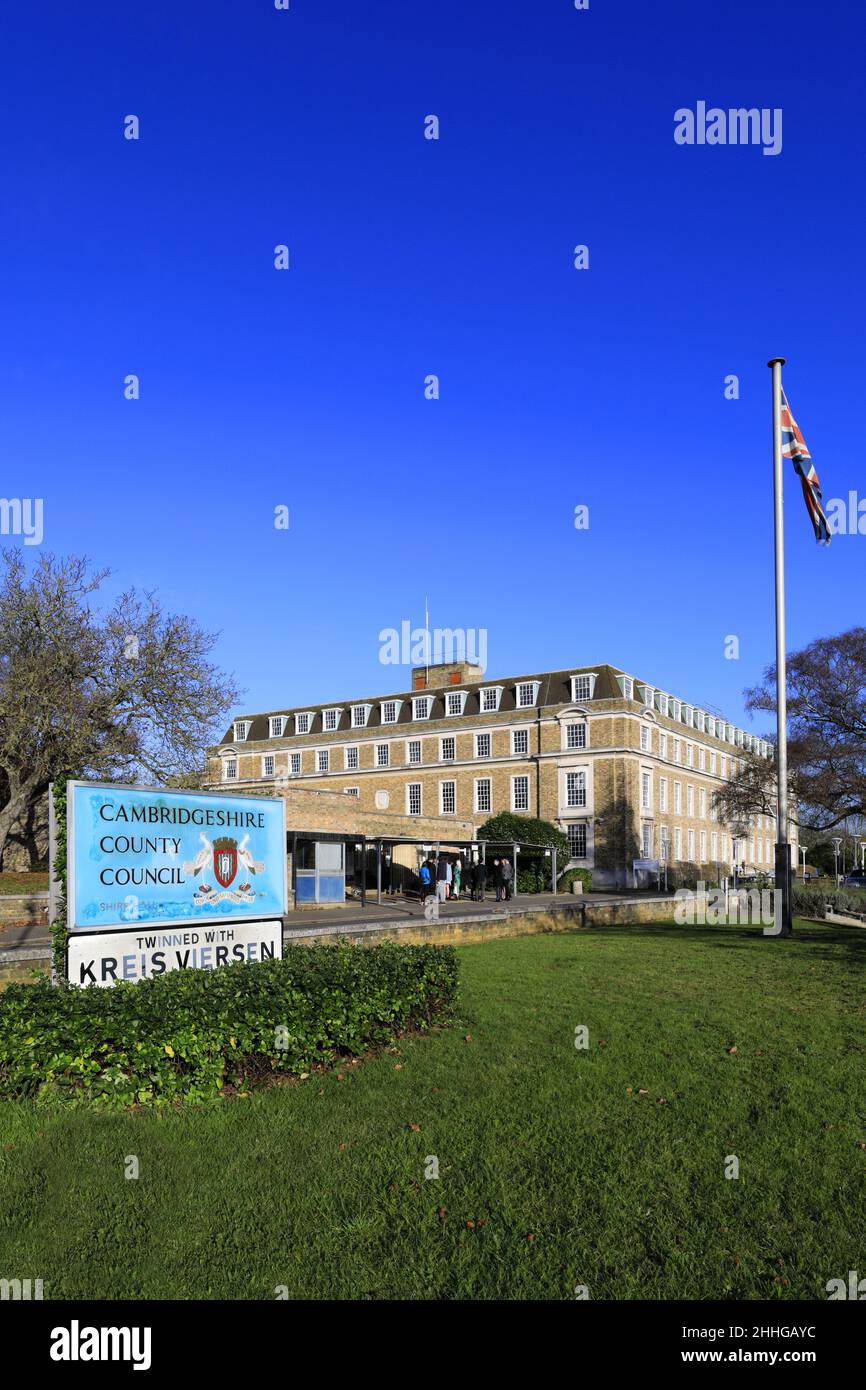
<point>678,843</point>
<point>351,759</point>
<point>644,738</point>
<point>626,685</point>
<point>646,841</point>
<point>676,744</point>
<point>688,715</point>
<point>241,729</point>
<point>699,720</point>
<point>268,765</point>
<point>647,694</point>
<point>662,702</point>
<point>448,748</point>
<point>520,742</point>
<point>723,761</point>
<point>678,799</point>
<point>413,799</point>
<point>664,843</point>
<point>702,803</point>
<point>421,707</point>
<point>303,722</point>
<point>390,711</point>
<point>352,791</point>
<point>575,788</point>
<point>712,763</point>
<point>663,794</point>
<point>360,715</point>
<point>323,760</point>
<point>691,843</point>
<point>230,769</point>
<point>382,754</point>
<point>483,794</point>
<point>675,714</point>
<point>454,702</point>
<point>520,793</point>
<point>575,734</point>
<point>702,759</point>
<point>690,800</point>
<point>482,745</point>
<point>714,844</point>
<point>582,687</point>
<point>663,745</point>
<point>490,697</point>
<point>276,725</point>
<point>331,719</point>
<point>447,798</point>
<point>527,693</point>
<point>413,750</point>
<point>576,841</point>
<point>295,768</point>
<point>703,844</point>
<point>646,791</point>
<point>690,755</point>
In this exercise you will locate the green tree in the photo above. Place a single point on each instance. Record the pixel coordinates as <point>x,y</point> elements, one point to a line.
<point>512,829</point>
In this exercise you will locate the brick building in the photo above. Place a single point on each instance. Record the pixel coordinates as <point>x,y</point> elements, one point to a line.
<point>625,769</point>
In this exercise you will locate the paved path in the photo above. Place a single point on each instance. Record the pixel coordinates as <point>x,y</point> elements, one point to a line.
<point>386,913</point>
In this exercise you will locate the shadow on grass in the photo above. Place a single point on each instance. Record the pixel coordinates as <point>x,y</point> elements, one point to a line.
<point>822,940</point>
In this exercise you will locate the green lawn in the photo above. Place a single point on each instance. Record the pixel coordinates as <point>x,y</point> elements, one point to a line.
<point>319,1186</point>
<point>15,883</point>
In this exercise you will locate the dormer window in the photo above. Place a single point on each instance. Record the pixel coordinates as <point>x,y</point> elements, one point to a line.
<point>454,702</point>
<point>390,711</point>
<point>331,719</point>
<point>582,687</point>
<point>687,715</point>
<point>490,697</point>
<point>421,707</point>
<point>711,725</point>
<point>626,685</point>
<point>527,694</point>
<point>360,715</point>
<point>241,729</point>
<point>699,720</point>
<point>646,693</point>
<point>303,722</point>
<point>276,722</point>
<point>675,709</point>
<point>661,702</point>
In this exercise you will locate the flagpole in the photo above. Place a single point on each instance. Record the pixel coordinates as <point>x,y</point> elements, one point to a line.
<point>783,849</point>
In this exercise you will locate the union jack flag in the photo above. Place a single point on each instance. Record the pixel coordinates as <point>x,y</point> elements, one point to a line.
<point>794,448</point>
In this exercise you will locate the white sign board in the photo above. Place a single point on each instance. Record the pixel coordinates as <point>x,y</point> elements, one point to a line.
<point>100,958</point>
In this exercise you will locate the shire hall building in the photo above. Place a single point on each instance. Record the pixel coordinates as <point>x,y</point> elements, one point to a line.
<point>624,768</point>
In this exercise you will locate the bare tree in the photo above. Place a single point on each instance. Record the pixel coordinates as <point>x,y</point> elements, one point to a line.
<point>125,693</point>
<point>826,738</point>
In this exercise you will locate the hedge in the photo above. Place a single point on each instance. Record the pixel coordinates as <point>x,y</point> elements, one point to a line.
<point>190,1033</point>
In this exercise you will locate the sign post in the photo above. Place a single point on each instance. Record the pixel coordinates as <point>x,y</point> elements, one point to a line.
<point>164,880</point>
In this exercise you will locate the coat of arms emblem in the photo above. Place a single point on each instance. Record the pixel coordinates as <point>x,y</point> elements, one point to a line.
<point>225,860</point>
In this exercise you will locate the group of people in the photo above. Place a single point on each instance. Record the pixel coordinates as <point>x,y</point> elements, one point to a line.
<point>444,877</point>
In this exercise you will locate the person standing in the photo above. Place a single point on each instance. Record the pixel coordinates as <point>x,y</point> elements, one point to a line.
<point>441,878</point>
<point>497,879</point>
<point>449,876</point>
<point>426,882</point>
<point>481,868</point>
<point>458,873</point>
<point>507,876</point>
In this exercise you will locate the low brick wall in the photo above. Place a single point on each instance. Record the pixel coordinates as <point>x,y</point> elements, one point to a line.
<point>25,909</point>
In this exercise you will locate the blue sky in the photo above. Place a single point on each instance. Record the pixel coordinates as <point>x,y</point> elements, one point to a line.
<point>559,387</point>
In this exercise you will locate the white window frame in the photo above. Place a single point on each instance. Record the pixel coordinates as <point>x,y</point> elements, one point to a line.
<point>352,791</point>
<point>323,755</point>
<point>519,777</point>
<point>293,759</point>
<point>646,789</point>
<point>243,724</point>
<point>484,692</point>
<point>570,773</point>
<point>663,795</point>
<point>410,761</point>
<point>534,686</point>
<point>397,704</point>
<point>276,719</point>
<point>443,739</point>
<point>228,764</point>
<point>576,724</point>
<point>479,809</point>
<point>360,723</point>
<point>269,758</point>
<point>591,677</point>
<point>626,685</point>
<point>426,701</point>
<point>449,782</point>
<point>303,714</point>
<point>380,748</point>
<point>577,826</point>
<point>410,786</point>
<point>478,738</point>
<point>349,765</point>
<point>645,738</point>
<point>331,719</point>
<point>515,752</point>
<point>460,696</point>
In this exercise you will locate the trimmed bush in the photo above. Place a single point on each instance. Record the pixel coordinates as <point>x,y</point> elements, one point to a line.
<point>571,876</point>
<point>189,1033</point>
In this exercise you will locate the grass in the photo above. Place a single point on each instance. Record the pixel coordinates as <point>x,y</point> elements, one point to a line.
<point>611,1159</point>
<point>16,883</point>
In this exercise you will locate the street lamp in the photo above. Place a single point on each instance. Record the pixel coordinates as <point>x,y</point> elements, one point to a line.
<point>803,852</point>
<point>863,854</point>
<point>837,845</point>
